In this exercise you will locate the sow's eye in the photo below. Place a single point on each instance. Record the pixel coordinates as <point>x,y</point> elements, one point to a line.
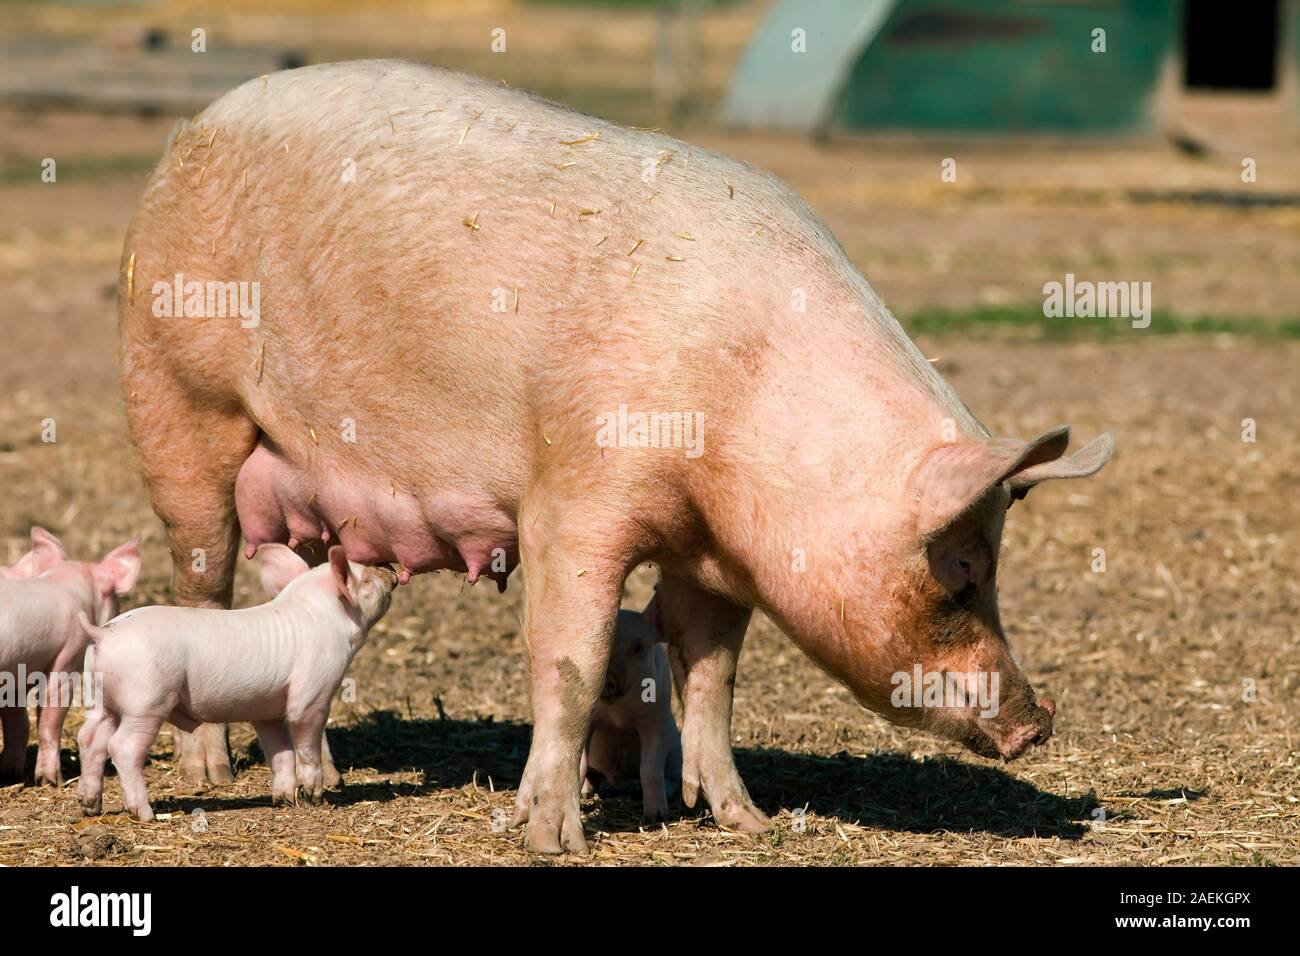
<point>956,572</point>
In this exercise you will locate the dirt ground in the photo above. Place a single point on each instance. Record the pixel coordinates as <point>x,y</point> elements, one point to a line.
<point>1176,670</point>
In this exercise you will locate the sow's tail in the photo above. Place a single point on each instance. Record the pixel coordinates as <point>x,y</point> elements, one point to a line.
<point>96,634</point>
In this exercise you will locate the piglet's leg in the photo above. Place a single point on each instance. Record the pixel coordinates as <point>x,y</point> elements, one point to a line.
<point>306,729</point>
<point>49,724</point>
<point>330,776</point>
<point>654,755</point>
<point>93,744</point>
<point>587,788</point>
<point>17,728</point>
<point>277,746</point>
<point>705,633</point>
<point>128,747</point>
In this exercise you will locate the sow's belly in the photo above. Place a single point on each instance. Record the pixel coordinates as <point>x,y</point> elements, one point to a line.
<point>377,518</point>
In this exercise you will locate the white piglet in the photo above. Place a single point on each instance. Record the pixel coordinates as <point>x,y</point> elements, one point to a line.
<point>41,646</point>
<point>633,732</point>
<point>276,666</point>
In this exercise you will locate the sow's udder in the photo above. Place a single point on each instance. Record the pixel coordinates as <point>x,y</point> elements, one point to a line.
<point>376,519</point>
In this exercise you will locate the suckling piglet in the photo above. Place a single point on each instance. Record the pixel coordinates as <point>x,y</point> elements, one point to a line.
<point>633,732</point>
<point>41,645</point>
<point>276,666</point>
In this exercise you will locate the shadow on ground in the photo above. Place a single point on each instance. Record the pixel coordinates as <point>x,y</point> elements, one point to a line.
<point>885,790</point>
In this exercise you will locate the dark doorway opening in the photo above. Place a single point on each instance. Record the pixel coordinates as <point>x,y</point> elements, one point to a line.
<point>1230,46</point>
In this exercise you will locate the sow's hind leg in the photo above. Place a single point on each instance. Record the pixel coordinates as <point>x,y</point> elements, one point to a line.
<point>190,452</point>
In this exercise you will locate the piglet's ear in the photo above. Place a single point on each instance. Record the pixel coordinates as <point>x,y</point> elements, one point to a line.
<point>280,565</point>
<point>952,477</point>
<point>342,574</point>
<point>46,552</point>
<point>120,568</point>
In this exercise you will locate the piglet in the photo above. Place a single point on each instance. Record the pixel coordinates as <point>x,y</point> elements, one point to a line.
<point>633,731</point>
<point>276,666</point>
<point>40,599</point>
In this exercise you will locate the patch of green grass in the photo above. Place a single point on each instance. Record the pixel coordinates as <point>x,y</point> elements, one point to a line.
<point>1028,321</point>
<point>75,169</point>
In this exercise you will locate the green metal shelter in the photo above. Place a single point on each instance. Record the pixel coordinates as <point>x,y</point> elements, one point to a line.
<point>1001,65</point>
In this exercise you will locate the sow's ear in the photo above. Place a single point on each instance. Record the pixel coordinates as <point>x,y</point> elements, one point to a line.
<point>953,477</point>
<point>1084,462</point>
<point>342,575</point>
<point>280,565</point>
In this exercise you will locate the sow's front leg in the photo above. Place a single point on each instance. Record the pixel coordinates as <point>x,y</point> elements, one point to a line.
<point>190,454</point>
<point>573,581</point>
<point>705,633</point>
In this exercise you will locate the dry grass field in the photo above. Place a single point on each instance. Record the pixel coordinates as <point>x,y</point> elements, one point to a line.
<point>1176,670</point>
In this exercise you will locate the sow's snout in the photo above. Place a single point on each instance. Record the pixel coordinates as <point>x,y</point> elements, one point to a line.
<point>1007,737</point>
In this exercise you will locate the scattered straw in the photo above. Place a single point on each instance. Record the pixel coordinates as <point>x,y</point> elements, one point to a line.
<point>639,244</point>
<point>588,212</point>
<point>675,258</point>
<point>468,125</point>
<point>312,431</point>
<point>602,240</point>
<point>684,235</point>
<point>130,278</point>
<point>589,138</point>
<point>471,221</point>
<point>635,269</point>
<point>731,188</point>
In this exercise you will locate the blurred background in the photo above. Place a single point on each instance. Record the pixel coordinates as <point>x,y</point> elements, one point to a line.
<point>965,153</point>
<point>1065,119</point>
